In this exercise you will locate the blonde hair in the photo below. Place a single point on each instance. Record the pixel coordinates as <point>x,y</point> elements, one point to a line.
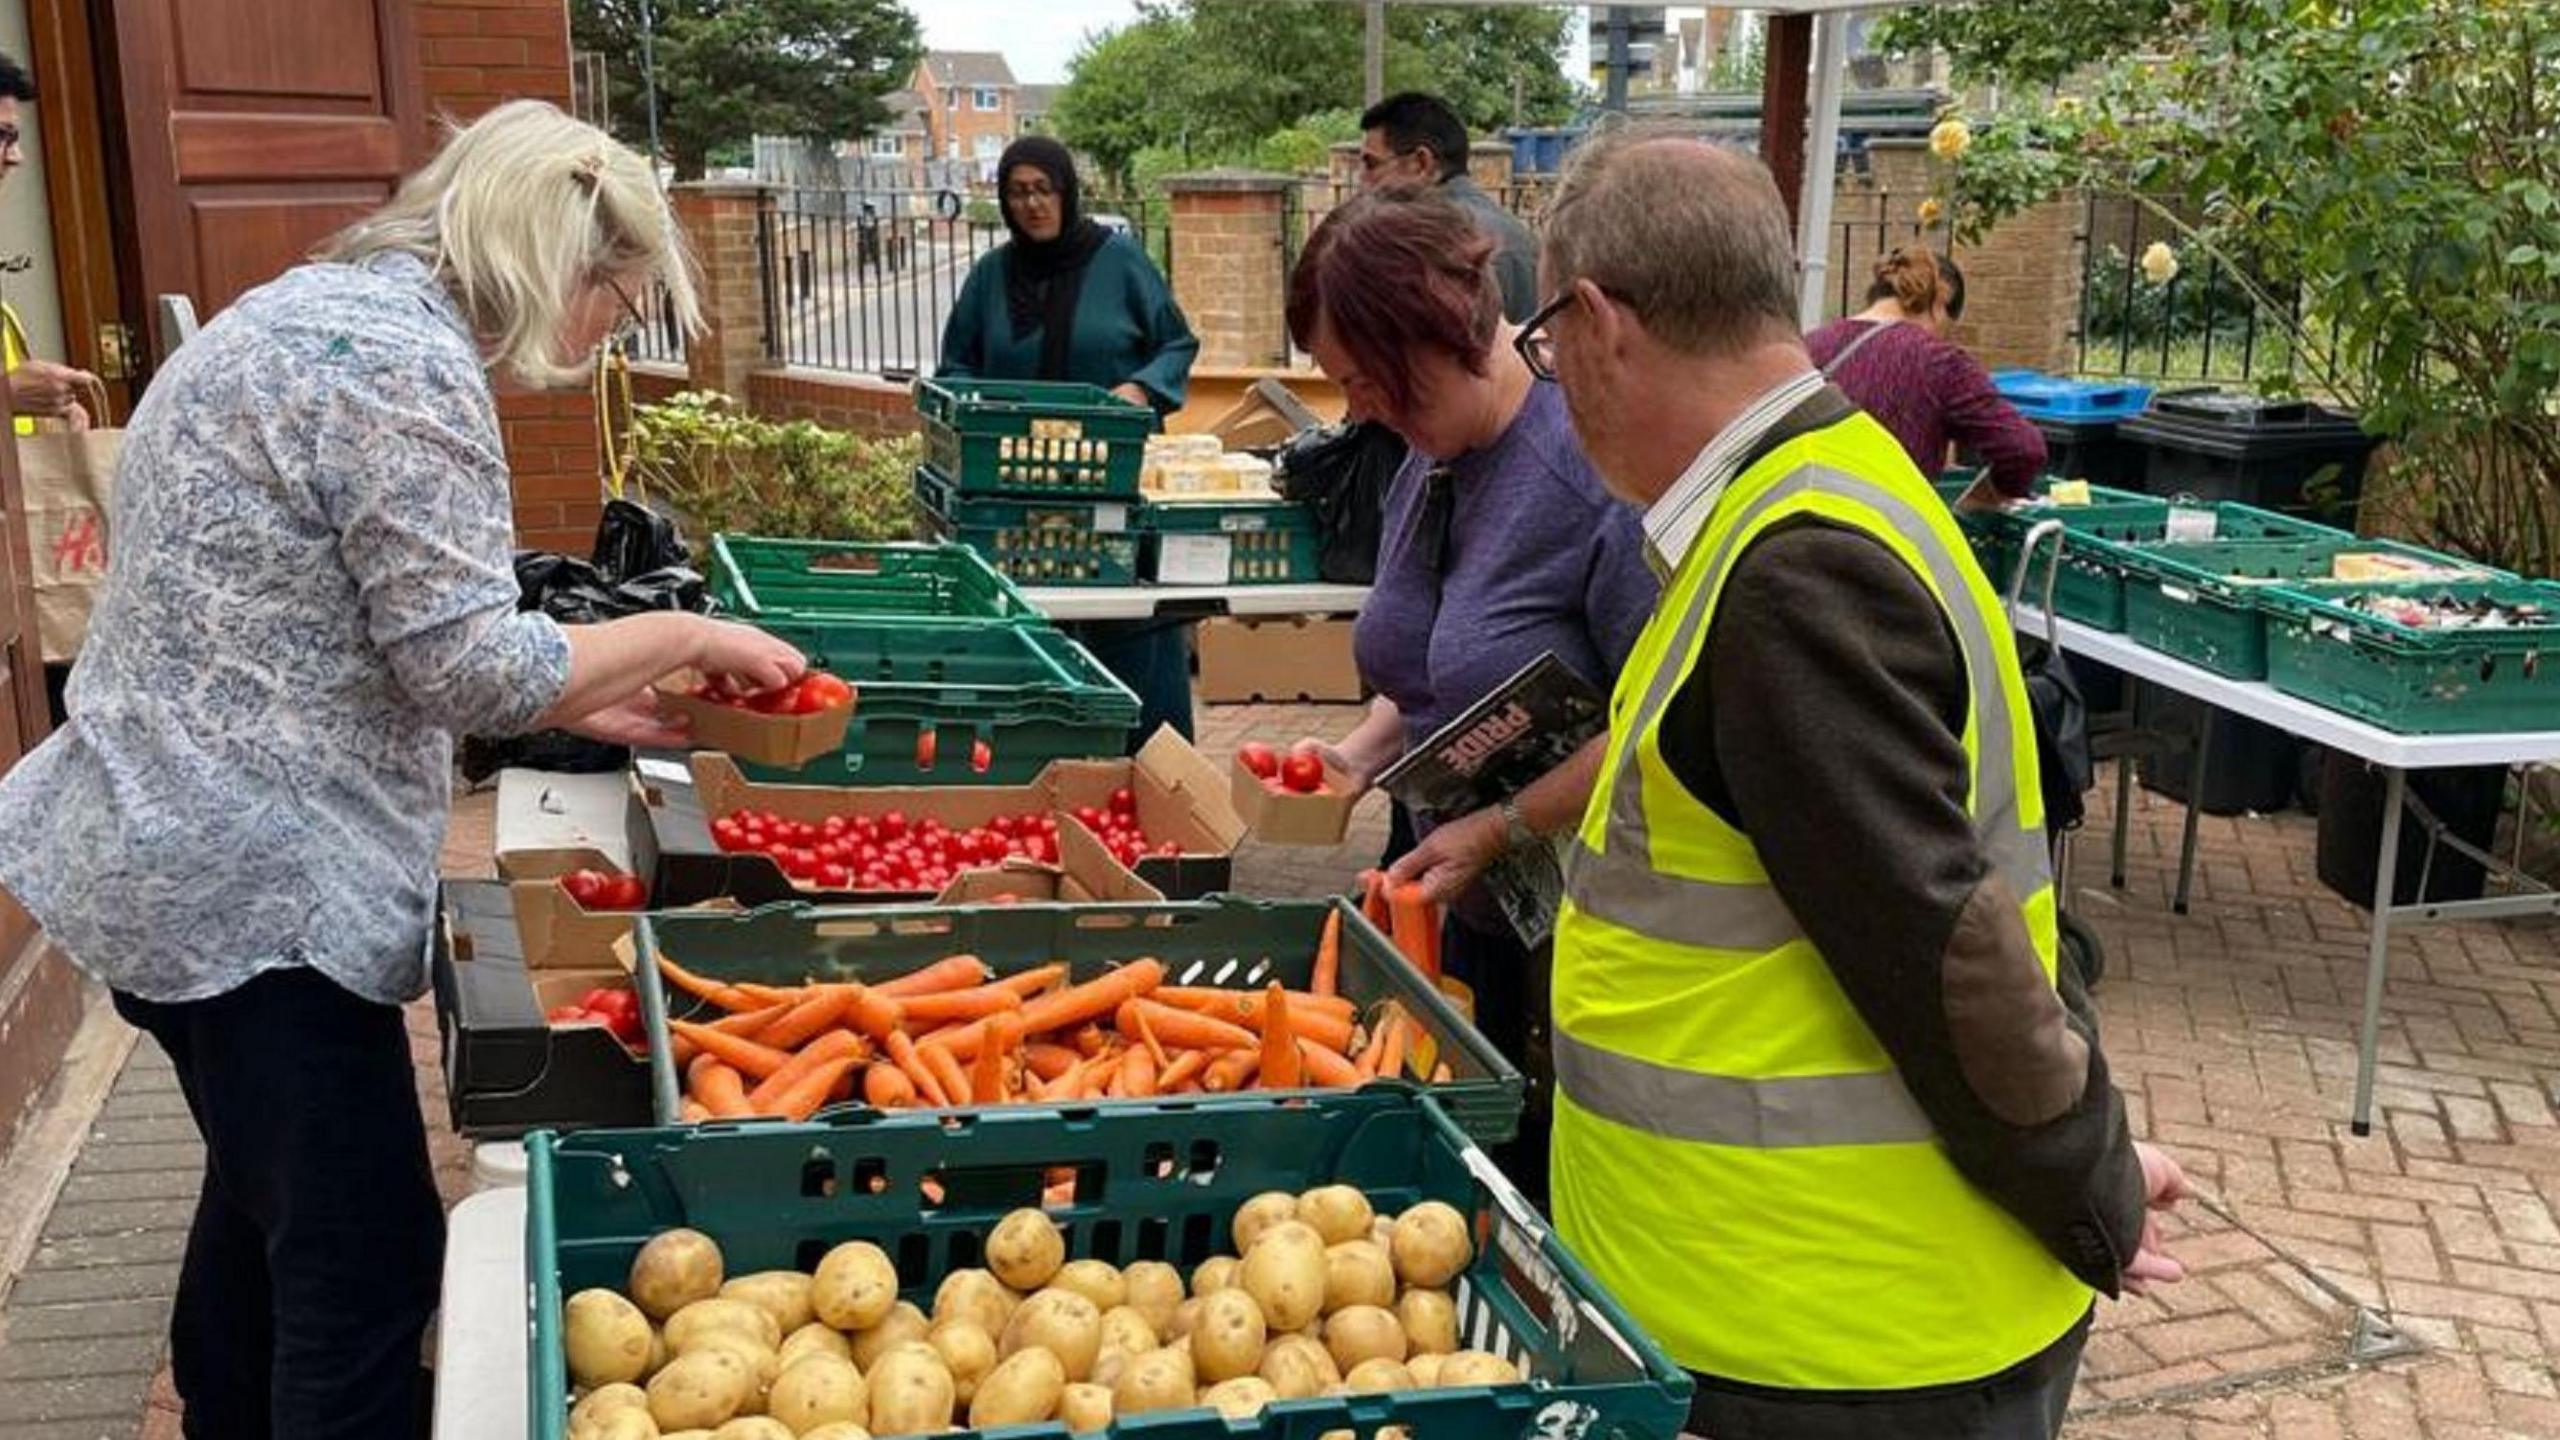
<point>519,213</point>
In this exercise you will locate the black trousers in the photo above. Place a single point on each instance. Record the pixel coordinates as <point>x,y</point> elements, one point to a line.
<point>318,1244</point>
<point>2023,1402</point>
<point>1512,1012</point>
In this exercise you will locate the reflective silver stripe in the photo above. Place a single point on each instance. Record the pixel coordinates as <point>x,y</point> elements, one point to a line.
<point>1704,913</point>
<point>1799,1110</point>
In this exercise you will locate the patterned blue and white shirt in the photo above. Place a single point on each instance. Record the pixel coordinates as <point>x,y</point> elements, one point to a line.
<point>310,592</point>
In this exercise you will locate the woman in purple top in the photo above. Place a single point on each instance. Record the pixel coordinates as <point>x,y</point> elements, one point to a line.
<point>1894,359</point>
<point>1500,546</point>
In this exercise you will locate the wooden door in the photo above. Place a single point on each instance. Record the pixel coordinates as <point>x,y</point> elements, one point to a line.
<point>254,128</point>
<point>40,999</point>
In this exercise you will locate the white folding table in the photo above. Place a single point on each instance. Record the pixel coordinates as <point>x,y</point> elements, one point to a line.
<point>2393,753</point>
<point>1140,602</point>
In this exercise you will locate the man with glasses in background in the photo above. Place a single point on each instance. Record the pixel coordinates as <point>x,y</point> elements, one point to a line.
<point>1416,139</point>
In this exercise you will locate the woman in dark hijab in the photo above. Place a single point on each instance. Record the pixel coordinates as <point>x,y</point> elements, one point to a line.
<point>1070,299</point>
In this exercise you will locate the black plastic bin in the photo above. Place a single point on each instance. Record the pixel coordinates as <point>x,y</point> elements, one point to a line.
<point>2254,768</point>
<point>2285,455</point>
<point>2093,449</point>
<point>2468,801</point>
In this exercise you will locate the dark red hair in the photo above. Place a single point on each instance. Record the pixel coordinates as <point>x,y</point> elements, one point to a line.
<point>1392,270</point>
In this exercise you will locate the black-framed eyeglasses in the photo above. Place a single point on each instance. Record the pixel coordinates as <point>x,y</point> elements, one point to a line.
<point>1025,194</point>
<point>1538,348</point>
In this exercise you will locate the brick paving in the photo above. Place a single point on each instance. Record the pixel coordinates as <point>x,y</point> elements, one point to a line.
<point>2231,1031</point>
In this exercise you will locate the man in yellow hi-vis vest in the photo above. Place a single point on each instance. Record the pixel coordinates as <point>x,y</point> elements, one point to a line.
<point>1823,1120</point>
<point>37,388</point>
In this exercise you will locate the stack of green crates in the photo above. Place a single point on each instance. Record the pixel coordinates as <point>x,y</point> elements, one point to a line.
<point>2103,540</point>
<point>1233,542</point>
<point>755,577</point>
<point>2202,602</point>
<point>2418,681</point>
<point>1040,477</point>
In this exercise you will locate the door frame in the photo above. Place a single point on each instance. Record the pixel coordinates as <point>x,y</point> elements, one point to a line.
<point>85,179</point>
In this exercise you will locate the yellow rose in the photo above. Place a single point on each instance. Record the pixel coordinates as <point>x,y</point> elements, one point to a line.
<point>1950,138</point>
<point>2067,105</point>
<point>1931,210</point>
<point>2159,263</point>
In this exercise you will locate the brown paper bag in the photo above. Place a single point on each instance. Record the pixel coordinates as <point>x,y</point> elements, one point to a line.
<point>69,480</point>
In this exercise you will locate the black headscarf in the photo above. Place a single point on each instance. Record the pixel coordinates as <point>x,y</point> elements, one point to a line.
<point>1042,278</point>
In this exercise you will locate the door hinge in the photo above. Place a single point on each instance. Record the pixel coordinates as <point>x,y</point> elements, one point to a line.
<point>115,351</point>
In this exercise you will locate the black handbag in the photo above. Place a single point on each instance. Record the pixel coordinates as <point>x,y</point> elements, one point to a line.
<point>1342,472</point>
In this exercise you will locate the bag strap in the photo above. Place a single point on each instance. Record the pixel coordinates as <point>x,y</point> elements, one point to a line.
<point>612,385</point>
<point>1874,329</point>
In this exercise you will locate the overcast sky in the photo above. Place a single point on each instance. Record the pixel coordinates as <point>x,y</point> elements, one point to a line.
<point>1038,37</point>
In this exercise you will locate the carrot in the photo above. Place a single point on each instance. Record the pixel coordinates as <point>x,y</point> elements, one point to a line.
<point>1391,1058</point>
<point>1091,1040</point>
<point>887,1087</point>
<point>1328,971</point>
<point>1186,1067</point>
<point>1048,1061</point>
<point>1138,1071</point>
<point>1373,900</point>
<point>772,994</point>
<point>810,1091</point>
<point>976,1003</point>
<point>961,1039</point>
<point>1327,1068</point>
<point>816,1055</point>
<point>1281,1068</point>
<point>1326,1021</point>
<point>1094,998</point>
<point>865,1009</point>
<point>955,972</point>
<point>1146,1033</point>
<point>720,1090</point>
<point>749,1024</point>
<point>903,1051</point>
<point>1183,1029</point>
<point>1033,981</point>
<point>948,1074</point>
<point>727,997</point>
<point>995,1058</point>
<point>1417,928</point>
<point>1089,1079</point>
<point>802,1022</point>
<point>747,1057</point>
<point>692,1111</point>
<point>1231,1071</point>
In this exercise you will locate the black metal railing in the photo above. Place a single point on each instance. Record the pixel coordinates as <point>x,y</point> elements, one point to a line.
<point>660,338</point>
<point>2204,323</point>
<point>1866,225</point>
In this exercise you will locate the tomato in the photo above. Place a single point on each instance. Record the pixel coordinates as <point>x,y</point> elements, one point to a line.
<point>799,864</point>
<point>626,892</point>
<point>834,826</point>
<point>893,824</point>
<point>1303,773</point>
<point>832,876</point>
<point>982,756</point>
<point>829,691</point>
<point>1170,847</point>
<point>726,834</point>
<point>1049,825</point>
<point>586,887</point>
<point>1124,801</point>
<point>1090,818</point>
<point>927,745</point>
<point>567,1014</point>
<point>1259,758</point>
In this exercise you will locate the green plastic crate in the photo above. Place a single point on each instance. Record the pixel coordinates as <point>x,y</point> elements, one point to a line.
<point>1154,1180</point>
<point>2200,602</point>
<point>1248,542</point>
<point>2098,552</point>
<point>1029,693</point>
<point>1224,941</point>
<point>2417,682</point>
<point>754,576</point>
<point>1034,437</point>
<point>1996,534</point>
<point>1039,542</point>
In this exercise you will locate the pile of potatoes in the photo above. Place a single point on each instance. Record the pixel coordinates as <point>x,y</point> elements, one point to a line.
<point>1322,1297</point>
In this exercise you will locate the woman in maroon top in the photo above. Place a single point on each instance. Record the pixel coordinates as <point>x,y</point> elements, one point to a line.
<point>1894,359</point>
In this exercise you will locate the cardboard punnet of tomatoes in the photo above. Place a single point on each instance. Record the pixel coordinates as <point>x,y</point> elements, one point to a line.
<point>815,691</point>
<point>1293,797</point>
<point>787,725</point>
<point>606,890</point>
<point>892,852</point>
<point>615,1007</point>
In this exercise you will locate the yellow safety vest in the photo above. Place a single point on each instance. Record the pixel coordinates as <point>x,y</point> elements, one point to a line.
<point>13,353</point>
<point>1735,1155</point>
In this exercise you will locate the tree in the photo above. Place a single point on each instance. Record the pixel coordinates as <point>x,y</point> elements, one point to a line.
<point>1117,99</point>
<point>2033,42</point>
<point>728,70</point>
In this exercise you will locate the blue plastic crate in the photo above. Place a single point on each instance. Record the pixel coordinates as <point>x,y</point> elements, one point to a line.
<point>2051,397</point>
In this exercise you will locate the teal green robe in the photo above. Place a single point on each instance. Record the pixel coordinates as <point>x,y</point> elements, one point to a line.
<point>1128,329</point>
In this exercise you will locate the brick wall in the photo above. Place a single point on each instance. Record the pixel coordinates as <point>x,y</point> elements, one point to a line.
<point>863,404</point>
<point>476,54</point>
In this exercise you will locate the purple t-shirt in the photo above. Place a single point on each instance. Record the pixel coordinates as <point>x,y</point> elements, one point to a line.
<point>1540,558</point>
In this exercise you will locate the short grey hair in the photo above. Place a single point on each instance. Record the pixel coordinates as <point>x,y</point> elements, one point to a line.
<point>1690,236</point>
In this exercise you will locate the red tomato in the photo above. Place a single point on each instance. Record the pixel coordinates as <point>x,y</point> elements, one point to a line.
<point>799,864</point>
<point>626,892</point>
<point>586,887</point>
<point>833,876</point>
<point>567,1014</point>
<point>982,756</point>
<point>1124,801</point>
<point>829,690</point>
<point>833,826</point>
<point>1259,758</point>
<point>726,834</point>
<point>1090,818</point>
<point>893,824</point>
<point>1302,773</point>
<point>1049,825</point>
<point>1005,825</point>
<point>927,745</point>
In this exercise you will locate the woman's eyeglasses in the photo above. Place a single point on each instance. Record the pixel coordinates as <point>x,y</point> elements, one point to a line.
<point>1027,194</point>
<point>628,328</point>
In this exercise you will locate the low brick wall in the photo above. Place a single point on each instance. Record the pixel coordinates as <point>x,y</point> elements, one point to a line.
<point>864,404</point>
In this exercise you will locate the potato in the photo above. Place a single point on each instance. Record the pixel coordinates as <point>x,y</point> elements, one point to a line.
<point>1241,1398</point>
<point>967,1352</point>
<point>700,1391</point>
<point>672,1271</point>
<point>1298,1367</point>
<point>855,1286</point>
<point>977,1297</point>
<point>1026,1250</point>
<point>1126,1329</point>
<point>1024,1390</point>
<point>1425,1369</point>
<point>761,1360</point>
<point>659,1354</point>
<point>1186,1318</point>
<point>754,1427</point>
<point>1108,1367</point>
<point>607,1338</point>
<point>618,1425</point>
<point>1213,1275</point>
<point>1157,1380</point>
<point>1061,1322</point>
<point>1475,1367</point>
<point>903,1325</point>
<point>815,1338</point>
<point>1155,1291</point>
<point>605,1400</point>
<point>1096,1280</point>
<point>1289,1232</point>
<point>841,1430</point>
<point>1259,1214</point>
<point>686,1327</point>
<point>1286,1278</point>
<point>1338,1213</point>
<point>1229,1338</point>
<point>1358,1272</point>
<point>911,1393</point>
<point>1085,1408</point>
<point>820,1390</point>
<point>1361,1333</point>
<point>1430,1321</point>
<point>1373,1377</point>
<point>783,1294</point>
<point>1430,1244</point>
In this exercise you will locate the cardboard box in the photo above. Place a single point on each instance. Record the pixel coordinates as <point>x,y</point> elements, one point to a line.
<point>1181,797</point>
<point>766,739</point>
<point>1280,658</point>
<point>548,825</point>
<point>507,1070</point>
<point>1287,817</point>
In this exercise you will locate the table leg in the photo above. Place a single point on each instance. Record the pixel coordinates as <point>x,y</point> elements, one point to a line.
<point>2124,816</point>
<point>2395,787</point>
<point>2195,807</point>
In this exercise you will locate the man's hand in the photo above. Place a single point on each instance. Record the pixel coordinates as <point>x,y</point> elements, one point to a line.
<point>42,388</point>
<point>1134,393</point>
<point>1450,858</point>
<point>636,722</point>
<point>2164,1184</point>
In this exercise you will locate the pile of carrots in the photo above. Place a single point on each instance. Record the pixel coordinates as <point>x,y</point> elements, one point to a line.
<point>953,1034</point>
